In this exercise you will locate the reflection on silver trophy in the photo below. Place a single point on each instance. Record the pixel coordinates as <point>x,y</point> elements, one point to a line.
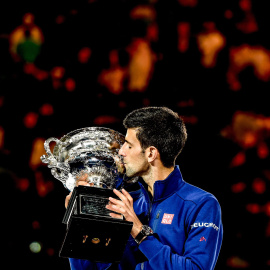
<point>90,154</point>
<point>92,151</point>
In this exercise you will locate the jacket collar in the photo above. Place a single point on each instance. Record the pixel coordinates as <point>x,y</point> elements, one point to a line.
<point>165,188</point>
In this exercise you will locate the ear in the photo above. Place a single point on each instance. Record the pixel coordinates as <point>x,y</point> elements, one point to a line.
<point>152,153</point>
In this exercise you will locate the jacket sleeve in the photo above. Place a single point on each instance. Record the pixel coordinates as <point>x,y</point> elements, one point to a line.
<point>204,236</point>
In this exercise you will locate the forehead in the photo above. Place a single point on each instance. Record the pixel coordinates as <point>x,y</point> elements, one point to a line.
<point>131,136</point>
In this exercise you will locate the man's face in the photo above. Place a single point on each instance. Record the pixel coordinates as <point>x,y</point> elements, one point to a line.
<point>134,157</point>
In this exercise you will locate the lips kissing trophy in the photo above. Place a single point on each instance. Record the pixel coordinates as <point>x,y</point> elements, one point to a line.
<point>91,153</point>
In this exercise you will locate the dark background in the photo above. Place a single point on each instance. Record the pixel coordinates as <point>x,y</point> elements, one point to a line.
<point>227,120</point>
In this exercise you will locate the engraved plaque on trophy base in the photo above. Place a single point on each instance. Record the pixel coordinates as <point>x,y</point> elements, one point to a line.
<point>92,234</point>
<point>97,240</point>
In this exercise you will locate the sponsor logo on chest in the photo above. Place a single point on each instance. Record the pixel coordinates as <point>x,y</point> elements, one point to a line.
<point>167,218</point>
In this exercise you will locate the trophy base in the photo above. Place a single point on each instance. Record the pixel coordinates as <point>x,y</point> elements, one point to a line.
<point>98,239</point>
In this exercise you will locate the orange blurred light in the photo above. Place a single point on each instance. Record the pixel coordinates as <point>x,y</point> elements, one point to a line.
<point>210,43</point>
<point>28,18</point>
<point>143,12</point>
<point>249,130</point>
<point>250,139</point>
<point>43,187</point>
<point>36,153</point>
<point>141,65</point>
<point>57,72</point>
<point>237,262</point>
<point>113,79</point>
<point>244,56</point>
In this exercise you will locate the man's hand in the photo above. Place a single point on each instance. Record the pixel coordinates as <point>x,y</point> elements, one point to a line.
<point>124,207</point>
<point>68,199</point>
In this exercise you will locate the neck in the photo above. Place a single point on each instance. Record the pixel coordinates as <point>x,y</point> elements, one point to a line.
<point>156,174</point>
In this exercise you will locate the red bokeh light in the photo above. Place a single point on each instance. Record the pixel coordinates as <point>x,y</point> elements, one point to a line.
<point>1,101</point>
<point>259,186</point>
<point>70,84</point>
<point>238,187</point>
<point>46,109</point>
<point>253,208</point>
<point>84,55</point>
<point>30,120</point>
<point>41,75</point>
<point>60,19</point>
<point>22,184</point>
<point>238,159</point>
<point>105,119</point>
<point>267,209</point>
<point>50,251</point>
<point>228,14</point>
<point>36,225</point>
<point>262,150</point>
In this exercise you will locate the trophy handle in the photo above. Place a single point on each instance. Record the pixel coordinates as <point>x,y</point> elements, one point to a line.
<point>60,170</point>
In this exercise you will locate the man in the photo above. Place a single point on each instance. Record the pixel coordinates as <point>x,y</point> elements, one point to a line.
<point>176,225</point>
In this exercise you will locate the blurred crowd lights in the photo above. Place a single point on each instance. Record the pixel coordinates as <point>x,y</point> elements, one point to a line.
<point>35,247</point>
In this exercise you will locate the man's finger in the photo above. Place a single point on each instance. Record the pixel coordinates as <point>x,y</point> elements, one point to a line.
<point>116,202</point>
<point>127,195</point>
<point>121,196</point>
<point>83,183</point>
<point>68,199</point>
<point>116,216</point>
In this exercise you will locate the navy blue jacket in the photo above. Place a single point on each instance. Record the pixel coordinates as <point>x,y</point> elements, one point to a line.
<point>187,224</point>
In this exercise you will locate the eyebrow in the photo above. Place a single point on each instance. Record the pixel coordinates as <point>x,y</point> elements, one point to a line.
<point>128,142</point>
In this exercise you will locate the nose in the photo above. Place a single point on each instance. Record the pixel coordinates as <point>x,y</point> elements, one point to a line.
<point>121,151</point>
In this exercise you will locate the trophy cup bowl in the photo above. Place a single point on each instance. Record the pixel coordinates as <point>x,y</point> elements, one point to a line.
<point>91,153</point>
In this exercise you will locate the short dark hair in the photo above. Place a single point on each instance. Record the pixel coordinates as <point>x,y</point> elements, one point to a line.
<point>159,127</point>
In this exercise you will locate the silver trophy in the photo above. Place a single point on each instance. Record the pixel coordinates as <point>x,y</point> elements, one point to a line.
<point>92,151</point>
<point>91,154</point>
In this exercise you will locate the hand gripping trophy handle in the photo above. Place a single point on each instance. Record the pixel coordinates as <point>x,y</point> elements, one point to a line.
<point>60,170</point>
